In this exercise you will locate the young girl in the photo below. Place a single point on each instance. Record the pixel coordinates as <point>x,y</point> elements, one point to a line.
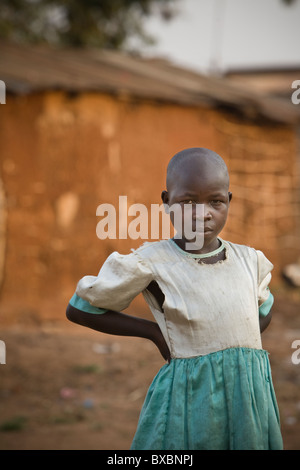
<point>210,305</point>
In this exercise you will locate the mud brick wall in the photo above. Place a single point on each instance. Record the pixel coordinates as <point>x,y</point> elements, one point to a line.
<point>62,156</point>
<point>264,167</point>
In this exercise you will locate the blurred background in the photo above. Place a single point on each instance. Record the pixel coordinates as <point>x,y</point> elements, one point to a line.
<point>99,96</point>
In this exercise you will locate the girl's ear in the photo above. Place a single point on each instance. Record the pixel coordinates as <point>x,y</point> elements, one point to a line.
<point>165,200</point>
<point>165,197</point>
<point>229,196</point>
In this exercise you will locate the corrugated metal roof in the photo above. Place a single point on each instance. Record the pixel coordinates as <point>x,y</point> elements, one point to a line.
<point>27,69</point>
<point>270,81</point>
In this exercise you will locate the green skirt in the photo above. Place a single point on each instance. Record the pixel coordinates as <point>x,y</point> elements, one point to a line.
<point>221,401</point>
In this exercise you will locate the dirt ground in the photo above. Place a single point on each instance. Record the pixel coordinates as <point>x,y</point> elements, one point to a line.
<point>64,387</point>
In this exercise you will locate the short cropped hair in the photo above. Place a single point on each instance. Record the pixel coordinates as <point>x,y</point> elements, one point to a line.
<point>205,156</point>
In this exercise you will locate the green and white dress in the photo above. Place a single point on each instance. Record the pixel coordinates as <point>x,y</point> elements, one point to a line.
<point>217,391</point>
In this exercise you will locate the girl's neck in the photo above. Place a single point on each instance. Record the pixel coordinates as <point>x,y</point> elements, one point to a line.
<point>205,249</point>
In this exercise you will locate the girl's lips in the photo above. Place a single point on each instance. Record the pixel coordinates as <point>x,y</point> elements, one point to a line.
<point>205,230</point>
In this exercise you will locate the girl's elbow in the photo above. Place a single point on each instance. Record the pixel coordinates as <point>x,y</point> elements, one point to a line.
<point>71,314</point>
<point>265,321</point>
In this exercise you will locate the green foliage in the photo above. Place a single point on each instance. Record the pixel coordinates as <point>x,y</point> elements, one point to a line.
<point>87,369</point>
<point>16,423</point>
<point>99,23</point>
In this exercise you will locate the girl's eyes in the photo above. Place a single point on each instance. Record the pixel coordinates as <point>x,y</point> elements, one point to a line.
<point>215,202</point>
<point>188,201</point>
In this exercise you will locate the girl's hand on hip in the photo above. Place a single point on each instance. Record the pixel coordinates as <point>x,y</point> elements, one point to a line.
<point>161,343</point>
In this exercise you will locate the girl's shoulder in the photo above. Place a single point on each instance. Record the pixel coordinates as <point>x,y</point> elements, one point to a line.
<point>251,254</point>
<point>241,250</point>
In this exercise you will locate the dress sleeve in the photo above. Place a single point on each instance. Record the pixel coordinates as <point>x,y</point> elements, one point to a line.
<point>120,280</point>
<point>265,298</point>
<point>84,305</point>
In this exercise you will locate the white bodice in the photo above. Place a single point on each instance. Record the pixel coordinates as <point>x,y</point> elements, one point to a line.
<point>207,307</point>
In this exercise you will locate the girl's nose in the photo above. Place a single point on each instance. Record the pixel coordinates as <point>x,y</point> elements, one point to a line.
<point>207,214</point>
<point>198,212</point>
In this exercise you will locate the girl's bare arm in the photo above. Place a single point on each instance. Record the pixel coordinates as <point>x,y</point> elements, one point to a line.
<point>265,321</point>
<point>117,323</point>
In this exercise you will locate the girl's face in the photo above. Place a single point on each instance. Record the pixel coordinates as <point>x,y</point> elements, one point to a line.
<point>207,187</point>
